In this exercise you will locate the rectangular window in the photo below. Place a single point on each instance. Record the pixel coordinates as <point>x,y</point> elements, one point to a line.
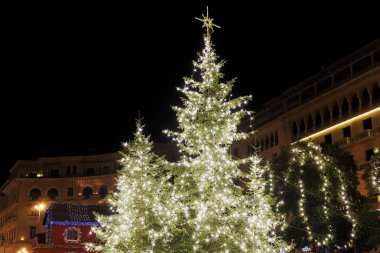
<point>54,173</point>
<point>368,154</point>
<point>367,124</point>
<point>68,170</point>
<point>74,170</point>
<point>90,171</point>
<point>70,191</point>
<point>72,234</point>
<point>328,139</point>
<point>346,131</point>
<point>32,231</point>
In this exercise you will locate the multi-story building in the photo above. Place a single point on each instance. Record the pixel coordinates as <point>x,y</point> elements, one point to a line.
<point>340,105</point>
<point>75,179</point>
<point>66,179</point>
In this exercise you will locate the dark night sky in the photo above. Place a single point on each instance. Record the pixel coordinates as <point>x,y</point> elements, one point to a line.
<point>74,76</point>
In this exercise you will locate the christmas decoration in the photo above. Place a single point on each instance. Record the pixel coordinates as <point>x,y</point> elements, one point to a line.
<point>214,213</point>
<point>72,217</point>
<point>372,174</point>
<point>139,210</point>
<point>316,192</point>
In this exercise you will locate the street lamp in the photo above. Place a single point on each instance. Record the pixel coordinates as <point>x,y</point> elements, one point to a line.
<point>39,208</point>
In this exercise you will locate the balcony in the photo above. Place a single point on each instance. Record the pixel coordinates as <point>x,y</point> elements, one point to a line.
<point>347,141</point>
<point>376,131</point>
<point>365,135</point>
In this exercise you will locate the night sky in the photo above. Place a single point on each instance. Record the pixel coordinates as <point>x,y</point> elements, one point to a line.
<point>75,76</point>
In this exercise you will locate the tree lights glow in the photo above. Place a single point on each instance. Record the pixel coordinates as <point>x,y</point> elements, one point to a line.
<point>140,211</point>
<point>203,209</point>
<point>321,188</point>
<point>219,215</point>
<point>372,174</point>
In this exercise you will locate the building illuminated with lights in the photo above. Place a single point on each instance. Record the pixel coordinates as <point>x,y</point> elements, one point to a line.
<point>340,105</point>
<point>75,179</point>
<point>47,180</point>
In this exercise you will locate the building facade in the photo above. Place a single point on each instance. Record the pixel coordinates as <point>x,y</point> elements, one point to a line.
<point>75,179</point>
<point>340,105</point>
<point>34,185</point>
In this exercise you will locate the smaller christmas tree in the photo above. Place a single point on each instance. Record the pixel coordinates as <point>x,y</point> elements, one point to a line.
<point>372,174</point>
<point>317,191</point>
<point>138,222</point>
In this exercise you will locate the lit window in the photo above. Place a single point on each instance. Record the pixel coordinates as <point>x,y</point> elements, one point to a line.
<point>72,235</point>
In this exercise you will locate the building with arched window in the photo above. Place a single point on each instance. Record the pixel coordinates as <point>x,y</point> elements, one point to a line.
<point>66,179</point>
<point>340,105</point>
<point>74,179</point>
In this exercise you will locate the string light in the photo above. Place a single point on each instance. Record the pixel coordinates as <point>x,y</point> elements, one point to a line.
<point>222,216</point>
<point>141,215</point>
<point>203,210</point>
<point>300,154</point>
<point>372,173</point>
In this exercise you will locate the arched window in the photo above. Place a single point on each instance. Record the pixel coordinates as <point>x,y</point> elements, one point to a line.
<point>302,127</point>
<point>365,99</point>
<point>53,193</point>
<point>262,145</point>
<point>335,112</point>
<point>327,116</point>
<point>87,192</point>
<point>376,95</point>
<point>345,107</point>
<point>35,194</point>
<point>355,104</point>
<point>103,191</point>
<point>309,124</point>
<point>318,120</point>
<point>276,138</point>
<point>271,140</point>
<point>295,129</point>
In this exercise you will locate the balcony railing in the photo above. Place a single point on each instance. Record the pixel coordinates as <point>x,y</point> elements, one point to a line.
<point>365,134</point>
<point>345,141</point>
<point>376,131</point>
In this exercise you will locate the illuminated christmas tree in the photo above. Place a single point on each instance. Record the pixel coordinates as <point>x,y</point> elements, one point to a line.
<point>138,223</point>
<point>372,174</point>
<point>214,213</point>
<point>317,189</point>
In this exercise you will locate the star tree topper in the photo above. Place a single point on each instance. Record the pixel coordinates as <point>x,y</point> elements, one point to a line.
<point>207,22</point>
